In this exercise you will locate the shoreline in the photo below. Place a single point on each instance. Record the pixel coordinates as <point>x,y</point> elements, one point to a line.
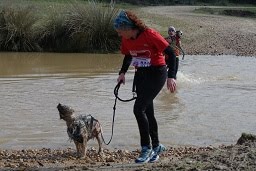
<point>239,156</point>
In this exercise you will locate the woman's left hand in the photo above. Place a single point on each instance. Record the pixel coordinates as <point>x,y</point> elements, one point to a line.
<point>121,77</point>
<point>171,84</point>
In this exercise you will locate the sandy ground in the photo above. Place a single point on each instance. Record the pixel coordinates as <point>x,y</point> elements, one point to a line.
<point>211,34</point>
<point>205,35</point>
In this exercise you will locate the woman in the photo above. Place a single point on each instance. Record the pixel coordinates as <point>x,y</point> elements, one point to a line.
<point>143,48</point>
<point>174,40</point>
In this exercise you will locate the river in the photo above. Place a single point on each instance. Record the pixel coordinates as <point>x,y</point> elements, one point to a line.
<point>213,105</point>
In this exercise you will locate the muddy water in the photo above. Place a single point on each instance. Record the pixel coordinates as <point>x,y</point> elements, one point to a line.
<point>214,104</point>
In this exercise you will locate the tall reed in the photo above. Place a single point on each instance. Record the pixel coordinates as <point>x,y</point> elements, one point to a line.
<point>91,27</point>
<point>53,34</point>
<point>16,29</point>
<point>60,27</point>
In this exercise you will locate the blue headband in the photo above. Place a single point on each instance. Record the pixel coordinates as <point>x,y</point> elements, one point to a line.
<point>122,21</point>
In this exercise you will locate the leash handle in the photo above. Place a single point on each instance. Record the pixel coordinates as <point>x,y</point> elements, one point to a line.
<point>116,93</point>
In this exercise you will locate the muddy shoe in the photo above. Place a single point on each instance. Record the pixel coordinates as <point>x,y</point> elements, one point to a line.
<point>156,151</point>
<point>145,155</point>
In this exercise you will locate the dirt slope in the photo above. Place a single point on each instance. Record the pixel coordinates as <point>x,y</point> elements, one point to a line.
<point>211,34</point>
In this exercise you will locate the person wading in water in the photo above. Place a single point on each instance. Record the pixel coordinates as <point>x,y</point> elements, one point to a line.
<point>174,39</point>
<point>144,48</point>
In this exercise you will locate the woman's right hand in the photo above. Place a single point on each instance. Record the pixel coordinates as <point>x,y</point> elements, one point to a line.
<point>171,84</point>
<point>121,78</point>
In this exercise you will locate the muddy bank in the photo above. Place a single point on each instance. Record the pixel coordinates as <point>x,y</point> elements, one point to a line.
<point>240,156</point>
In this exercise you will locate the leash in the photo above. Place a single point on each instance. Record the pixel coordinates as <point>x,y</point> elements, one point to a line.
<point>122,100</point>
<point>116,89</point>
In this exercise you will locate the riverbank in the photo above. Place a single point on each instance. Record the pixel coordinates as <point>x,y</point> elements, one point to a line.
<point>207,34</point>
<point>240,156</point>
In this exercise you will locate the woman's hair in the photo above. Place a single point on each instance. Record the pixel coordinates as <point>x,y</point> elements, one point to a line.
<point>137,22</point>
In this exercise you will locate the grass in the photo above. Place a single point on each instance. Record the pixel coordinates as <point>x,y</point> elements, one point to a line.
<point>16,29</point>
<point>231,11</point>
<point>92,27</point>
<point>161,23</point>
<point>58,26</point>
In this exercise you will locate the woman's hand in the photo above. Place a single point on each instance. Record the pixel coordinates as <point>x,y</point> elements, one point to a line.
<point>171,84</point>
<point>121,78</point>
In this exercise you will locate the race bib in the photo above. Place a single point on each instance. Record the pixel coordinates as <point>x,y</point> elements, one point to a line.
<point>140,62</point>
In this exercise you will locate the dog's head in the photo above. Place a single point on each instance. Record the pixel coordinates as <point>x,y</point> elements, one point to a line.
<point>64,111</point>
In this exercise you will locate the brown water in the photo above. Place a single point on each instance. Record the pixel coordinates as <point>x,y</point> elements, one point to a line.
<point>214,104</point>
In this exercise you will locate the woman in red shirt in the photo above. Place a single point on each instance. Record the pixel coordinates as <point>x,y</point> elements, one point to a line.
<point>144,48</point>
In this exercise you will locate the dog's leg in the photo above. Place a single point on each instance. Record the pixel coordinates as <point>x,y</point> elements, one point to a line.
<point>78,151</point>
<point>100,144</point>
<point>97,134</point>
<point>84,147</point>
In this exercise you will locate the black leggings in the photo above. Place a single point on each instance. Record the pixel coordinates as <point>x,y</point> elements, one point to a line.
<point>149,82</point>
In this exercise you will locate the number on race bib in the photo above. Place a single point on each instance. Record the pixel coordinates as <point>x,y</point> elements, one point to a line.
<point>140,62</point>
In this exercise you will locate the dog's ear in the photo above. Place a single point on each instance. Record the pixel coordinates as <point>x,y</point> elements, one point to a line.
<point>58,106</point>
<point>59,109</point>
<point>63,109</point>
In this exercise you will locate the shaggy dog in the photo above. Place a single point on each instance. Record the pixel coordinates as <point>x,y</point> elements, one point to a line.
<point>80,129</point>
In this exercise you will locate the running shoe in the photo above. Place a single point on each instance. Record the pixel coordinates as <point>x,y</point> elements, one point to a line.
<point>145,155</point>
<point>156,151</point>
